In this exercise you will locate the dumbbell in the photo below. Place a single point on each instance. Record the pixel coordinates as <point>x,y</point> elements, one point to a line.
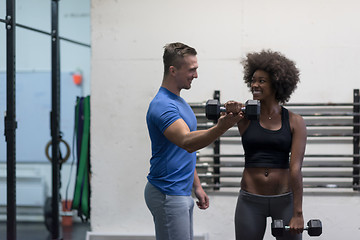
<point>251,109</point>
<point>313,227</point>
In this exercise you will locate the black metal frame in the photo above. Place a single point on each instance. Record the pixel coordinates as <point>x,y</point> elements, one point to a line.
<point>216,149</point>
<point>356,132</point>
<point>55,117</point>
<point>10,119</point>
<point>10,115</point>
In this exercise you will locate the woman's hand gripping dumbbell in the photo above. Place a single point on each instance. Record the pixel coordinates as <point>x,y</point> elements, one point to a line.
<point>251,109</point>
<point>313,227</point>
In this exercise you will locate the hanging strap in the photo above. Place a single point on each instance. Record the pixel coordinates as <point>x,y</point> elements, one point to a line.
<point>81,200</point>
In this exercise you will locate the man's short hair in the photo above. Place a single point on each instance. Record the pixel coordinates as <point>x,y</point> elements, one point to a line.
<point>174,54</point>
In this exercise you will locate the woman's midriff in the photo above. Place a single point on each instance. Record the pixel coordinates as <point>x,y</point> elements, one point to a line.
<point>266,181</point>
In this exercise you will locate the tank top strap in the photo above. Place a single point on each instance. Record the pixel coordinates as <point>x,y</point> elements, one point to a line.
<point>285,119</point>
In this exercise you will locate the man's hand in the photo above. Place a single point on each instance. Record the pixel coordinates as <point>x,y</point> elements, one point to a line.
<point>229,119</point>
<point>203,198</point>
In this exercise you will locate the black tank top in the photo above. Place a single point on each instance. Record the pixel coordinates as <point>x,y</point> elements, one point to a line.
<point>268,148</point>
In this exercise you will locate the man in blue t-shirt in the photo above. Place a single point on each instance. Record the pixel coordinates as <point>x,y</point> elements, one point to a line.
<point>174,139</point>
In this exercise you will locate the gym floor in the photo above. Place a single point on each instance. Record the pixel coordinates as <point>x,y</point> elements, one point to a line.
<point>38,231</point>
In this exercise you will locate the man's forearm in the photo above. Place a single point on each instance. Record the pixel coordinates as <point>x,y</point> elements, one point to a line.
<point>199,139</point>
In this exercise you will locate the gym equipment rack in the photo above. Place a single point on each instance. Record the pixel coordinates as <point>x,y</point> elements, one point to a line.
<point>331,125</point>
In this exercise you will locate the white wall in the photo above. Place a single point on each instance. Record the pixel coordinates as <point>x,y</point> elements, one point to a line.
<point>127,38</point>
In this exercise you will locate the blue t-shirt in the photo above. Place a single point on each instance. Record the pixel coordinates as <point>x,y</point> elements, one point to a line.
<point>171,167</point>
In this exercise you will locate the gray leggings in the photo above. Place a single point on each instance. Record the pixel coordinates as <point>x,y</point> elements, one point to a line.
<point>252,210</point>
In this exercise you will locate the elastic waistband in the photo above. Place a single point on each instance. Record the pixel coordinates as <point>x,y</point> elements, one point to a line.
<point>245,193</point>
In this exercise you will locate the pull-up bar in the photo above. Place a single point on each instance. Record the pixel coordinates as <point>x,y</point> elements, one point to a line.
<point>47,33</point>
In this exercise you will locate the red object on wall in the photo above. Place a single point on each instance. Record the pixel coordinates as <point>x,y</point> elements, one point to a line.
<point>77,78</point>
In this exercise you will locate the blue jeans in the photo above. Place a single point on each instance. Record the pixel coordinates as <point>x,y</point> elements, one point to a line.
<point>252,210</point>
<point>173,215</point>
